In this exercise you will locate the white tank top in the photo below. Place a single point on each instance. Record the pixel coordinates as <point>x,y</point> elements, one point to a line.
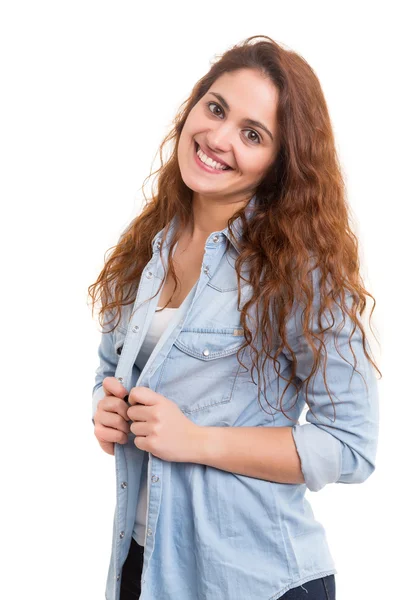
<point>158,324</point>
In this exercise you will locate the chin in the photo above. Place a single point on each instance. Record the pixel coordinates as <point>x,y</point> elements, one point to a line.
<point>200,187</point>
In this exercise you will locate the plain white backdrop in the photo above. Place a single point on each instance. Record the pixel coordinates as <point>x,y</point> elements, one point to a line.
<point>88,91</point>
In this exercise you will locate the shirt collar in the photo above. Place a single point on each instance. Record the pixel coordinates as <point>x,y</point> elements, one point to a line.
<point>236,227</point>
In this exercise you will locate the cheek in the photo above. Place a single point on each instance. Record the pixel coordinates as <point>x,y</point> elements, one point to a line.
<point>196,122</point>
<point>184,144</point>
<point>186,138</point>
<point>255,166</point>
<point>190,121</point>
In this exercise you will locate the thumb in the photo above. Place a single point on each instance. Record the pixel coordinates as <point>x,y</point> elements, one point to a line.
<point>113,387</point>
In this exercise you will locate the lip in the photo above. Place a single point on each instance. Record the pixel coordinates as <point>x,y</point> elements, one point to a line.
<point>206,167</point>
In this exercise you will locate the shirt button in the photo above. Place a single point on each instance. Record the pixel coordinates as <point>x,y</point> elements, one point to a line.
<point>123,485</point>
<point>118,577</point>
<point>206,352</point>
<point>149,274</point>
<point>215,238</point>
<point>136,328</point>
<point>149,531</point>
<point>154,478</point>
<point>121,535</point>
<point>205,269</point>
<point>120,379</point>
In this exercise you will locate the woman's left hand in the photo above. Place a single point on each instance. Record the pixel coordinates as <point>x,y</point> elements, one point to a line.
<point>161,427</point>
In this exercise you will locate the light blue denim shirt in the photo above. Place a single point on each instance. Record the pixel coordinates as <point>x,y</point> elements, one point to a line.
<point>212,534</point>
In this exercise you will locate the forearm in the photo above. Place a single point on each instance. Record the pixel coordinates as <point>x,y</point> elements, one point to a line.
<point>262,452</point>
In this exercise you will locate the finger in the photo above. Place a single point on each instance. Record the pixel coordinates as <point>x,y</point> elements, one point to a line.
<point>113,387</point>
<point>143,395</point>
<point>141,413</point>
<point>139,428</point>
<point>108,447</point>
<point>108,434</point>
<point>113,420</point>
<point>113,404</point>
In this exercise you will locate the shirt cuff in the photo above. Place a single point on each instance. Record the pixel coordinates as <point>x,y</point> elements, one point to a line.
<point>98,394</point>
<point>320,455</point>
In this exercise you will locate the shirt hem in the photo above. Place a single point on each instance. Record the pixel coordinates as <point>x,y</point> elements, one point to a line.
<point>301,581</point>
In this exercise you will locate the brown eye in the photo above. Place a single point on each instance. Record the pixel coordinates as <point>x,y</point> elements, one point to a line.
<point>255,133</point>
<point>217,105</point>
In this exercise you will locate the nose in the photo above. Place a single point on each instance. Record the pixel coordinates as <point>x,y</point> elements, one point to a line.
<point>219,139</point>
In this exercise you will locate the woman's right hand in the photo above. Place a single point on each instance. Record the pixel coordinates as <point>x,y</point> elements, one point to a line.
<point>111,420</point>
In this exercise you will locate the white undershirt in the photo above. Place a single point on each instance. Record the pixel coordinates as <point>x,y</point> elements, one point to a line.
<point>158,324</point>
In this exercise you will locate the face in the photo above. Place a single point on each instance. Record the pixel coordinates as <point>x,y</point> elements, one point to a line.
<point>234,123</point>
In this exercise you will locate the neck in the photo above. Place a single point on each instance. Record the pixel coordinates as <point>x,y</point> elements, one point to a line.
<point>211,215</point>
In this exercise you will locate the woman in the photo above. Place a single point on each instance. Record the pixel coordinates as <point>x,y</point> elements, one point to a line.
<point>235,298</point>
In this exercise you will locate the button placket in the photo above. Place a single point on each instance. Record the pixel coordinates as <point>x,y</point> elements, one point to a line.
<point>214,250</point>
<point>207,267</point>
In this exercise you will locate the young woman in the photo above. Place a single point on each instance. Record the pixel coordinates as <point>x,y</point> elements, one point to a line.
<point>230,302</point>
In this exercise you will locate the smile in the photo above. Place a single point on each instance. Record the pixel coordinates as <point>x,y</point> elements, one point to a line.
<point>207,163</point>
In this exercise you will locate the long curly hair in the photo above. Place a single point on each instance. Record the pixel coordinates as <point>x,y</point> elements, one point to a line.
<point>301,211</point>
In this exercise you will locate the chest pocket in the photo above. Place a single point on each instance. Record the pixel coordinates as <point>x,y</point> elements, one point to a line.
<point>209,344</point>
<point>201,368</point>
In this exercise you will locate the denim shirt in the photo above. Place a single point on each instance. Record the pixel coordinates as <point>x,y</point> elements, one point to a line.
<point>212,534</point>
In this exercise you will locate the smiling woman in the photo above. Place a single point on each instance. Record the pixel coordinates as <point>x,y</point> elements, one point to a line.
<point>237,132</point>
<point>239,279</point>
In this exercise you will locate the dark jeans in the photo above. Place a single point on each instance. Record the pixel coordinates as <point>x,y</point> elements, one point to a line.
<point>323,588</point>
<point>132,572</point>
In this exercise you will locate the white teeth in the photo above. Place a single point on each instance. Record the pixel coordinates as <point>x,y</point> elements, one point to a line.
<point>209,161</point>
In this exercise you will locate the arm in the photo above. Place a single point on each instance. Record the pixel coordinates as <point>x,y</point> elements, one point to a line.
<point>341,450</point>
<point>106,353</point>
<point>262,452</point>
<point>108,364</point>
<point>323,450</point>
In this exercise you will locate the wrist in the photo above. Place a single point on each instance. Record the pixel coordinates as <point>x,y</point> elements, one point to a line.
<point>200,445</point>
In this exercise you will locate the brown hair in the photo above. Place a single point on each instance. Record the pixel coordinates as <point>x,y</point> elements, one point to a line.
<point>301,211</point>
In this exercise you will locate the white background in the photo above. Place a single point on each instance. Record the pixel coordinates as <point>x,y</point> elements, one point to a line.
<point>88,91</point>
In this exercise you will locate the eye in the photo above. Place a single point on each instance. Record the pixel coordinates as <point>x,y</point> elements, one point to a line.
<point>258,138</point>
<point>215,104</point>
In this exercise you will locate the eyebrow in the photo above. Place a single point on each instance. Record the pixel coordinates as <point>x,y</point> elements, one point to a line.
<point>251,122</point>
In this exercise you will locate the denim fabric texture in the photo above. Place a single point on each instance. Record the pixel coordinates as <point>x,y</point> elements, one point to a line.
<point>323,588</point>
<point>212,534</point>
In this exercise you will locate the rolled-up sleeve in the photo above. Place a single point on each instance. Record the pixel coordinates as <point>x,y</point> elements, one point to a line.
<point>336,447</point>
<point>108,361</point>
